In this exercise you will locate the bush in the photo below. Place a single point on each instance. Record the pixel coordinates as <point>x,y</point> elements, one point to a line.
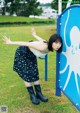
<point>27,23</point>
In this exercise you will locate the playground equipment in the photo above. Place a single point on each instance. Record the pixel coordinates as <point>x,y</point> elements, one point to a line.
<point>45,67</point>
<point>68,62</point>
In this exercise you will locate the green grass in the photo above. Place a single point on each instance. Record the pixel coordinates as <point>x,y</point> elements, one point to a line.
<point>12,90</point>
<point>19,19</point>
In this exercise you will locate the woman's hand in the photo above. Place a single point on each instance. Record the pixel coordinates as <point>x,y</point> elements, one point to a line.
<point>33,31</point>
<point>36,36</point>
<point>6,40</point>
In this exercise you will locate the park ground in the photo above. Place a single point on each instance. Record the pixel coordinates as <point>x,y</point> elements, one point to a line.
<point>13,93</point>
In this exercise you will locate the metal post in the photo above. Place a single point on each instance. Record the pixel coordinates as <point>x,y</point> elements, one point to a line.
<point>58,90</point>
<point>68,3</point>
<point>59,7</point>
<point>46,67</point>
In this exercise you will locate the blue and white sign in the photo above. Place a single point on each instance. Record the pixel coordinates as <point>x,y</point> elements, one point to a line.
<point>68,62</point>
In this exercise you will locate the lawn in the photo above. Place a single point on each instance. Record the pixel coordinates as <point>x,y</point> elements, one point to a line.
<point>13,93</point>
<point>19,19</point>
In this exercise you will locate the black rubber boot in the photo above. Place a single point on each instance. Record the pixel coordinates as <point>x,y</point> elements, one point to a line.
<point>33,98</point>
<point>39,94</point>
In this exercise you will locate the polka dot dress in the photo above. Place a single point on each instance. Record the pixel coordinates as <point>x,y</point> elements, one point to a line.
<point>25,64</point>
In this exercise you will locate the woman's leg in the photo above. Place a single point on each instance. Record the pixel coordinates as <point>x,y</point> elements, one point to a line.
<point>37,82</point>
<point>27,84</point>
<point>38,92</point>
<point>33,98</point>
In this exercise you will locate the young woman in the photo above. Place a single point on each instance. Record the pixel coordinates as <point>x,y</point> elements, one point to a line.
<point>25,62</point>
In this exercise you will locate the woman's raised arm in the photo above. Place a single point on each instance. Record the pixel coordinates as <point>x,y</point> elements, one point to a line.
<point>34,34</point>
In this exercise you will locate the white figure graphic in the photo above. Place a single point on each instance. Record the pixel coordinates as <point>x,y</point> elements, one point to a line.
<point>72,55</point>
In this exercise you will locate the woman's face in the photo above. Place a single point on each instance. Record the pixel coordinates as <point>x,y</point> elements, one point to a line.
<point>56,45</point>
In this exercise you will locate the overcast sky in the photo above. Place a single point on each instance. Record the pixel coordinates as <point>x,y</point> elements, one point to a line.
<point>45,1</point>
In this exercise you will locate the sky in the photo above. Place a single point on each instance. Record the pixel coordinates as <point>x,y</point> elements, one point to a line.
<point>45,1</point>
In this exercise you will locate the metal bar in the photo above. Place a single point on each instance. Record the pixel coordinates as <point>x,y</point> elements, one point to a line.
<point>58,90</point>
<point>59,7</point>
<point>68,3</point>
<point>46,67</point>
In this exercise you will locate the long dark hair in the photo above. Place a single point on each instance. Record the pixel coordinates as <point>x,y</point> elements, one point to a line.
<point>55,38</point>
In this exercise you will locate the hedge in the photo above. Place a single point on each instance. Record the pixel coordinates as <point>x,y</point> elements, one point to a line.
<point>27,23</point>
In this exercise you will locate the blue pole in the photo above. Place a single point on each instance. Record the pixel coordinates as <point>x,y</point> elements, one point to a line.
<point>58,90</point>
<point>46,67</point>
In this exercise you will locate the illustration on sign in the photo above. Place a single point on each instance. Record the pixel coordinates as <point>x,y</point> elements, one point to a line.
<point>69,59</point>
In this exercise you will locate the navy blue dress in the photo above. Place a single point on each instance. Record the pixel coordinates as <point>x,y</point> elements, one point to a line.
<point>25,64</point>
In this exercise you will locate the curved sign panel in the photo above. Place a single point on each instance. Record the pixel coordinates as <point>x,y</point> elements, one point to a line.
<point>68,62</point>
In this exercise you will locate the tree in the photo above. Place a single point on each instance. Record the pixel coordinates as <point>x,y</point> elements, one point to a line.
<point>54,3</point>
<point>30,8</point>
<point>5,6</point>
<point>24,8</point>
<point>14,7</point>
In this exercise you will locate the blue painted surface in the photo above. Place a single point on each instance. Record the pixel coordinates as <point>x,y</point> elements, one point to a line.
<point>68,62</point>
<point>58,90</point>
<point>45,66</point>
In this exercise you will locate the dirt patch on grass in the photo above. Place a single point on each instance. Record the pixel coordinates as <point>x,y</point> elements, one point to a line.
<point>45,112</point>
<point>26,110</point>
